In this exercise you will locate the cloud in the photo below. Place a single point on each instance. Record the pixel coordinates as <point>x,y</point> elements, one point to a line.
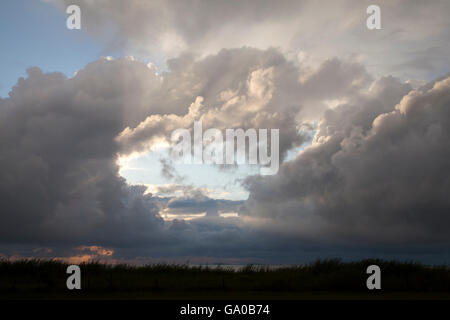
<point>244,88</point>
<point>60,185</point>
<point>168,170</point>
<point>59,178</point>
<point>377,171</point>
<point>370,174</point>
<point>162,29</point>
<point>181,200</point>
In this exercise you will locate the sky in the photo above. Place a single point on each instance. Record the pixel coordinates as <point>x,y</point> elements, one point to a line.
<point>86,118</point>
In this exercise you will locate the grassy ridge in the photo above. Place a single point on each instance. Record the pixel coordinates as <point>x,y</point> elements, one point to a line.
<point>47,279</point>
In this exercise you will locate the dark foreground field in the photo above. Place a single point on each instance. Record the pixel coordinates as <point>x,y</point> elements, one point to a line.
<point>326,279</point>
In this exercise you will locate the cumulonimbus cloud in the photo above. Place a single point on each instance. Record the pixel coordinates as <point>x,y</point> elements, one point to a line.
<point>377,167</point>
<point>377,170</point>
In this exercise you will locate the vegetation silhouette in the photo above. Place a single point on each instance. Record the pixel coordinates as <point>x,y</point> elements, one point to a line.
<point>332,278</point>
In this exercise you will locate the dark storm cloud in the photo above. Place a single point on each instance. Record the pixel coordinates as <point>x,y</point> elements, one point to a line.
<point>378,171</point>
<point>202,204</point>
<point>375,171</point>
<point>58,178</point>
<point>181,199</point>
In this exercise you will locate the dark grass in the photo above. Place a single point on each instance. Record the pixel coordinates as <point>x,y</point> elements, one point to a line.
<point>321,279</point>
